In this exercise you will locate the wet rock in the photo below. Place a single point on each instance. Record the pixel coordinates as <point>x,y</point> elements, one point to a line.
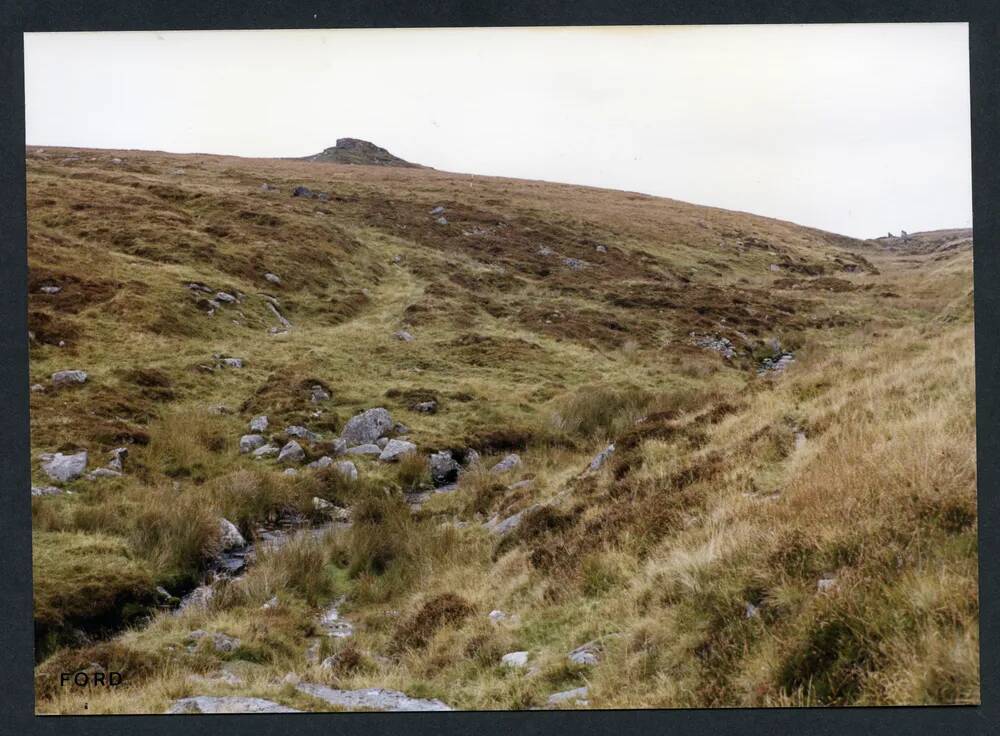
<point>64,468</point>
<point>69,378</point>
<point>251,442</point>
<point>515,660</point>
<point>370,699</point>
<point>576,696</point>
<point>292,453</point>
<point>601,458</point>
<point>229,536</point>
<point>444,469</point>
<point>258,424</point>
<point>366,449</point>
<point>367,426</point>
<point>226,704</point>
<point>508,463</point>
<point>396,449</point>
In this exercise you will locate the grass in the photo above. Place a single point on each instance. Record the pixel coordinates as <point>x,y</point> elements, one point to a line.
<point>710,502</point>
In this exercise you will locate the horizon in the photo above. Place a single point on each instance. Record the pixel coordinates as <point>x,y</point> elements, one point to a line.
<point>854,129</point>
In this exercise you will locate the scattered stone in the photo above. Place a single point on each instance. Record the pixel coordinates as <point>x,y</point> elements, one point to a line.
<point>266,451</point>
<point>395,449</point>
<point>64,468</point>
<point>258,424</point>
<point>370,699</point>
<point>496,616</point>
<point>318,394</point>
<point>250,442</point>
<point>270,604</point>
<point>118,456</point>
<point>588,654</point>
<point>367,449</point>
<point>437,210</point>
<point>403,335</point>
<point>50,289</point>
<point>69,378</point>
<point>601,458</point>
<point>367,426</point>
<point>226,704</point>
<point>302,433</point>
<point>291,453</point>
<point>324,462</point>
<point>272,278</point>
<point>426,407</point>
<point>347,469</point>
<point>444,469</point>
<point>441,220</point>
<point>576,696</point>
<point>515,660</point>
<point>721,345</point>
<point>574,263</point>
<point>37,388</point>
<point>826,585</point>
<point>45,491</point>
<point>229,535</point>
<point>232,362</point>
<point>224,298</point>
<point>508,463</point>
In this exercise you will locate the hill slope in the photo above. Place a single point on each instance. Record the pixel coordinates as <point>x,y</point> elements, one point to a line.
<point>787,406</point>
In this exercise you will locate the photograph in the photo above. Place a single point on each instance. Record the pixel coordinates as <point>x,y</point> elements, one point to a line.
<point>501,368</point>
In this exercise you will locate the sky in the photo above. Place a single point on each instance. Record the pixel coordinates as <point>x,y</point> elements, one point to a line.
<point>858,129</point>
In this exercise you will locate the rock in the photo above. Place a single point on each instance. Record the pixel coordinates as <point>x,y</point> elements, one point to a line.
<point>382,442</point>
<point>50,289</point>
<point>444,469</point>
<point>366,449</point>
<point>496,616</point>
<point>510,523</point>
<point>69,378</point>
<point>601,458</point>
<point>250,442</point>
<point>774,267</point>
<point>601,249</point>
<point>426,407</point>
<point>515,660</point>
<point>229,536</point>
<point>519,485</point>
<point>226,704</point>
<point>576,696</point>
<point>197,598</point>
<point>302,433</point>
<point>303,192</point>
<point>103,473</point>
<point>270,604</point>
<point>545,251</point>
<point>274,279</point>
<point>588,654</point>
<point>367,426</point>
<point>800,440</point>
<point>225,644</point>
<point>403,335</point>
<point>258,424</point>
<point>395,450</point>
<point>370,699</point>
<point>574,263</point>
<point>508,463</point>
<point>335,446</point>
<point>750,611</point>
<point>312,652</point>
<point>333,625</point>
<point>321,504</point>
<point>318,394</point>
<point>826,585</point>
<point>291,453</point>
<point>290,471</point>
<point>437,210</point>
<point>347,469</point>
<point>399,428</point>
<point>118,456</point>
<point>441,220</point>
<point>45,491</point>
<point>37,388</point>
<point>471,458</point>
<point>232,362</point>
<point>224,298</point>
<point>324,462</point>
<point>64,468</point>
<point>720,345</point>
<point>266,451</point>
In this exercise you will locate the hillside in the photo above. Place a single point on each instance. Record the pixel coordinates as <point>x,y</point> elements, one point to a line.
<point>787,515</point>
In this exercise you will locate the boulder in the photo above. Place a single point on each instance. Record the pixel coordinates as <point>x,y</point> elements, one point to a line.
<point>508,463</point>
<point>366,449</point>
<point>426,407</point>
<point>302,433</point>
<point>367,426</point>
<point>229,536</point>
<point>318,394</point>
<point>335,446</point>
<point>382,442</point>
<point>347,469</point>
<point>292,453</point>
<point>258,424</point>
<point>587,654</point>
<point>444,469</point>
<point>576,696</point>
<point>69,378</point>
<point>250,442</point>
<point>64,468</point>
<point>324,462</point>
<point>273,278</point>
<point>601,457</point>
<point>515,660</point>
<point>266,451</point>
<point>376,699</point>
<point>396,449</point>
<point>118,456</point>
<point>45,491</point>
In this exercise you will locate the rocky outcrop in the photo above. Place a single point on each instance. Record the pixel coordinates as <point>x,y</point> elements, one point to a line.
<point>444,469</point>
<point>370,699</point>
<point>64,468</point>
<point>359,152</point>
<point>226,704</point>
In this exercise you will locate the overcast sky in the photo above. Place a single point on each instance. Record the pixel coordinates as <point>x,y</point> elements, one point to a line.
<point>858,129</point>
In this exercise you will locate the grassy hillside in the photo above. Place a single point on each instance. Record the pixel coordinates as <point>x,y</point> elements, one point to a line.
<point>549,321</point>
